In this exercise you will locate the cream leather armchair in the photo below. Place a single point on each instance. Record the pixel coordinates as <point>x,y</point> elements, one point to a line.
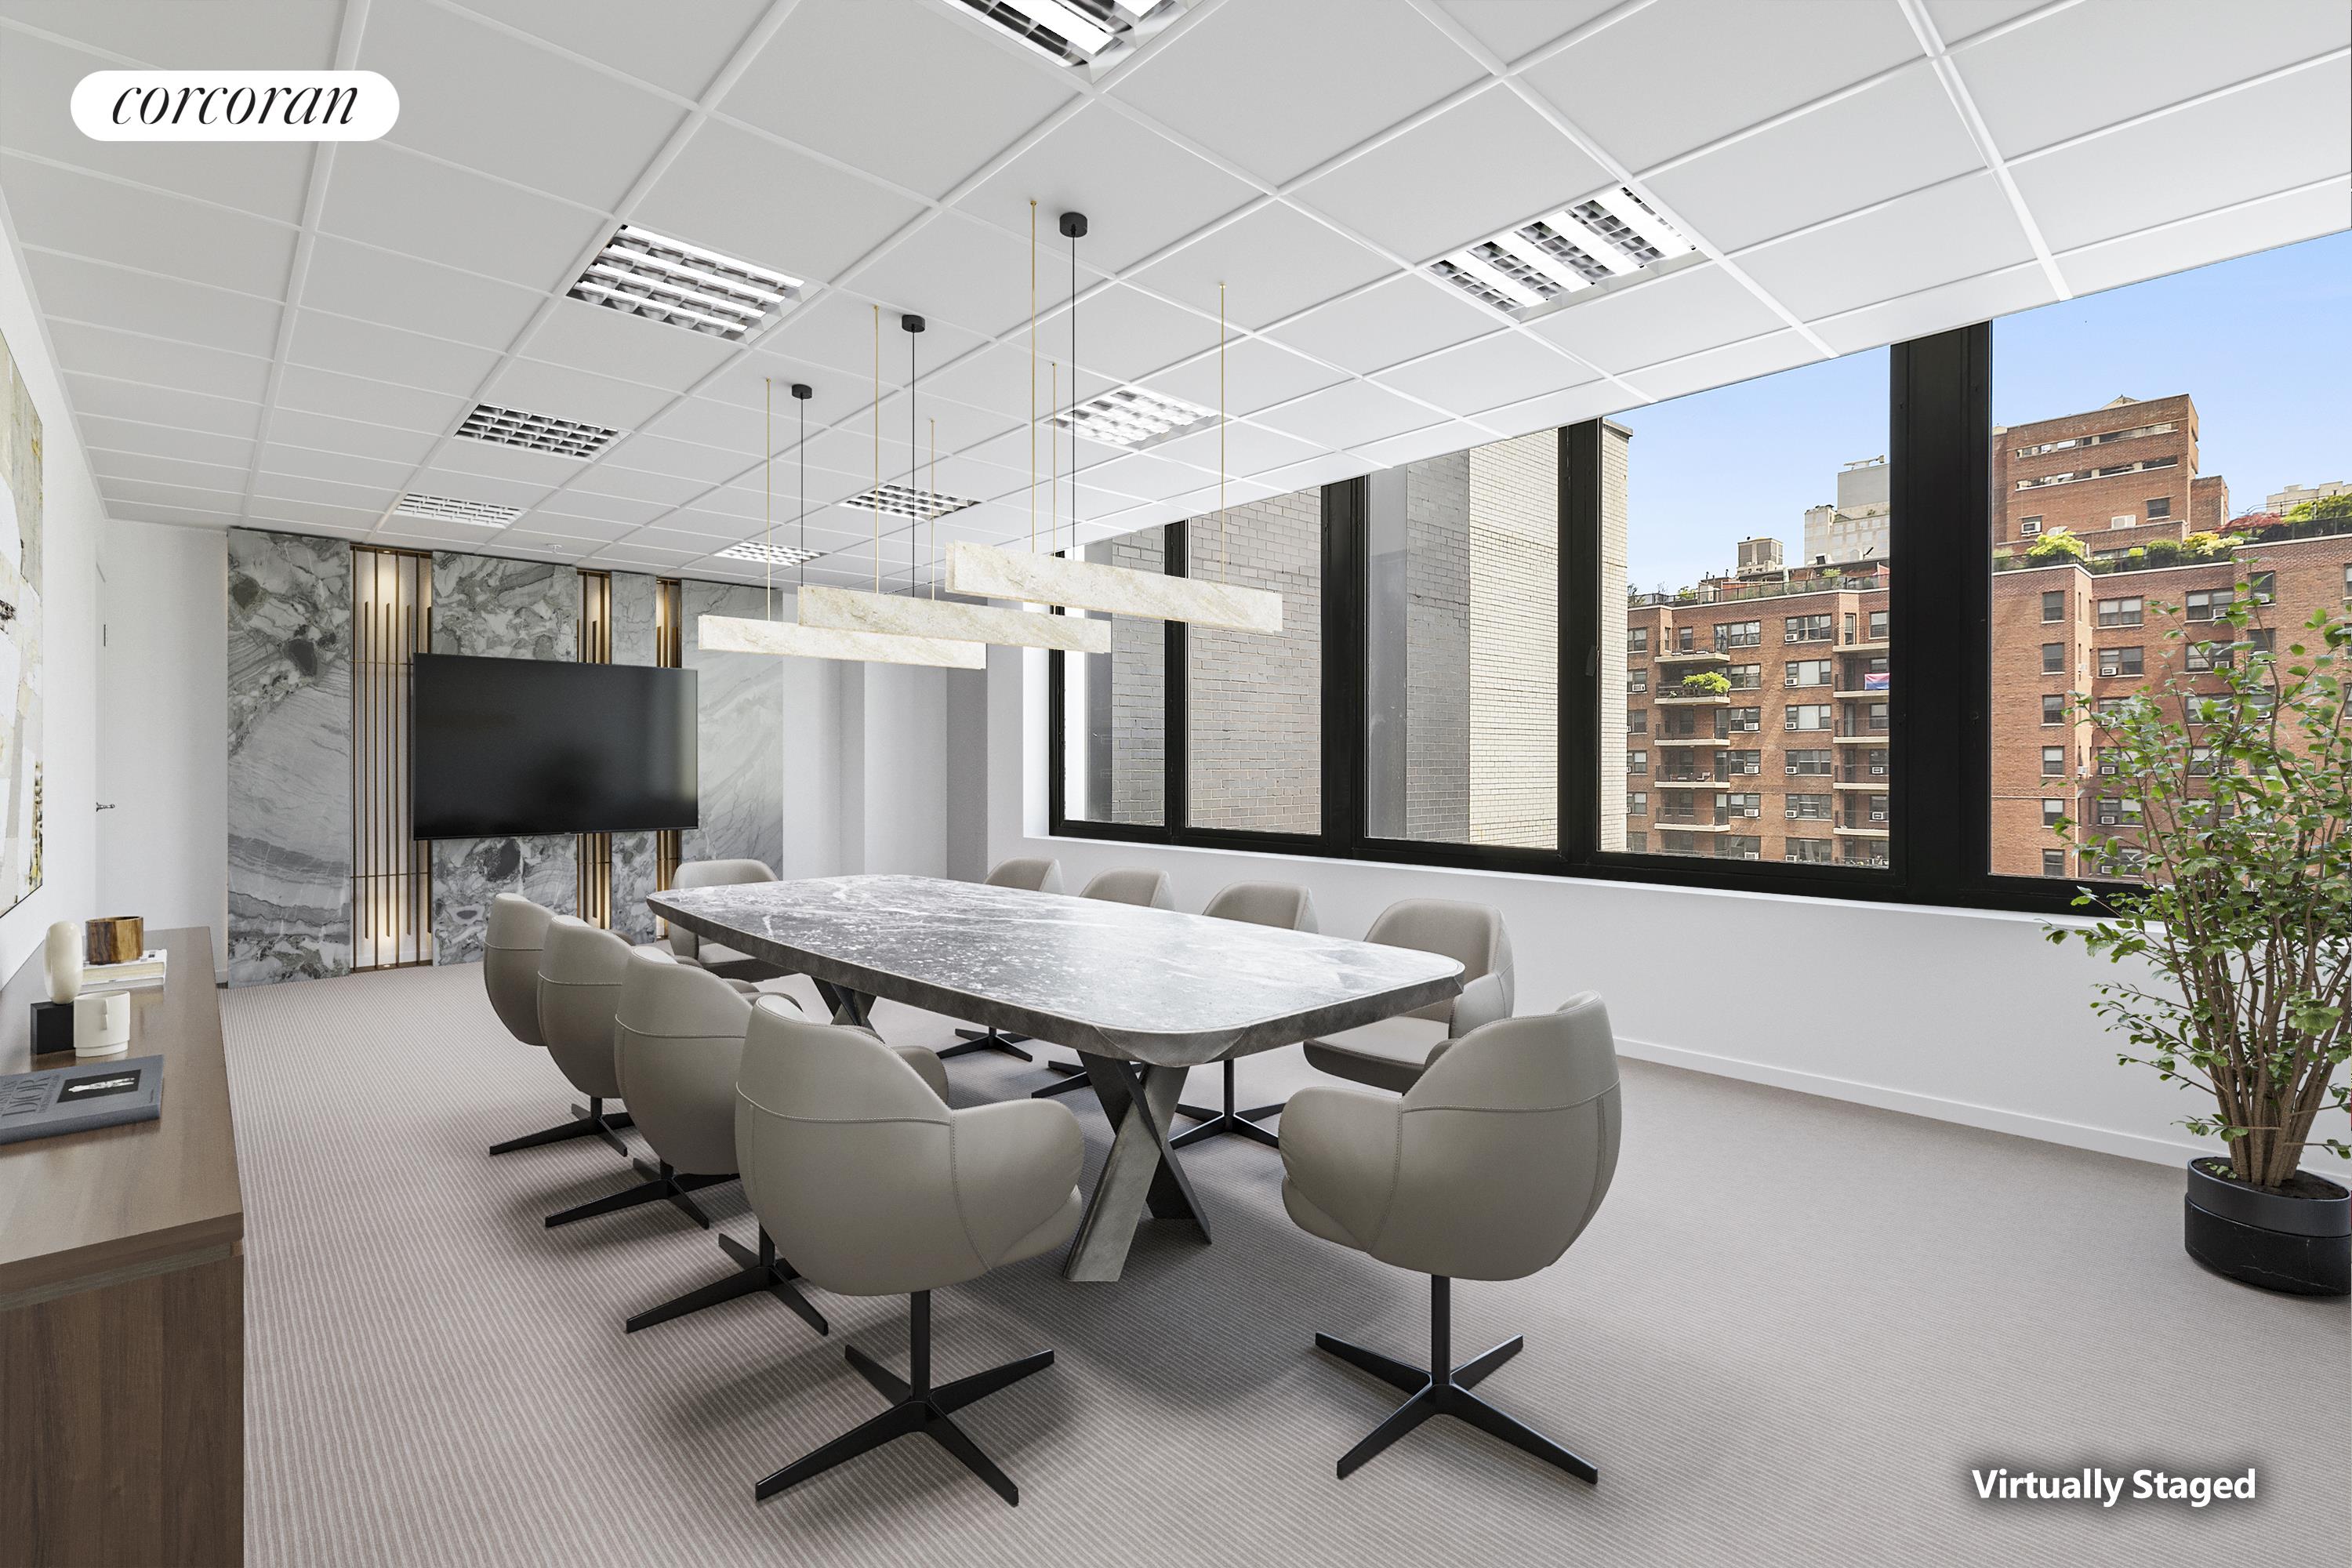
<point>710,955</point>
<point>874,1187</point>
<point>1394,1052</point>
<point>1035,876</point>
<point>1283,904</point>
<point>518,931</point>
<point>1488,1168</point>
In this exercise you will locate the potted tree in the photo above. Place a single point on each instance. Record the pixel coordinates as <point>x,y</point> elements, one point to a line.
<point>2243,779</point>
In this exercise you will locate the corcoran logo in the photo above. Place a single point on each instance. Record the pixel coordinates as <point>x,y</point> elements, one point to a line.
<point>234,106</point>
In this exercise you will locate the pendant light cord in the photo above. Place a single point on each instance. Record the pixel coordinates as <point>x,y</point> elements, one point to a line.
<point>1073,415</point>
<point>1221,431</point>
<point>877,508</point>
<point>1033,375</point>
<point>768,497</point>
<point>800,547</point>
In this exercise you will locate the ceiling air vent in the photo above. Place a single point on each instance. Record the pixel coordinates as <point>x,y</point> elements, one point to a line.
<point>900,501</point>
<point>1130,416</point>
<point>536,432</point>
<point>1591,243</point>
<point>1088,34</point>
<point>768,555</point>
<point>449,508</point>
<point>663,279</point>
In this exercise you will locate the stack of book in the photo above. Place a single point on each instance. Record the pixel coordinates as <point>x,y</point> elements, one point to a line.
<point>140,973</point>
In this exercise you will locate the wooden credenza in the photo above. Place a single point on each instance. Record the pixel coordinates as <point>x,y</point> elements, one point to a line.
<point>122,1304</point>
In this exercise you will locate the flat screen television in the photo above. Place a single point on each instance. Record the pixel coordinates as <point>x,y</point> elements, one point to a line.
<point>524,745</point>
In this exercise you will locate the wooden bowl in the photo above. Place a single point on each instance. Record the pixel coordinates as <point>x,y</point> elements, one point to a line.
<point>114,938</point>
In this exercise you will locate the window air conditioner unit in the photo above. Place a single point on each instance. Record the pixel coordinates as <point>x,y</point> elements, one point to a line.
<point>1877,816</point>
<point>2110,669</point>
<point>2030,527</point>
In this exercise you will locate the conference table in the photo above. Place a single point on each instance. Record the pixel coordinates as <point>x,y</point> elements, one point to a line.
<point>1119,984</point>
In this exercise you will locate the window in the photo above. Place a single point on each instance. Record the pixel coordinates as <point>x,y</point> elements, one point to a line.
<point>1737,634</point>
<point>1637,803</point>
<point>2053,605</point>
<point>1805,629</point>
<point>2053,862</point>
<point>2119,810</point>
<point>2053,762</point>
<point>1637,639</point>
<point>2200,657</point>
<point>1745,677</point>
<point>2206,603</point>
<point>2120,661</point>
<point>1252,703</point>
<point>1741,847</point>
<point>2347,581</point>
<point>2052,810</point>
<point>1731,764</point>
<point>1874,766</point>
<point>2028,527</point>
<point>1740,805</point>
<point>1637,842</point>
<point>2119,612</point>
<point>2054,708</point>
<point>1637,681</point>
<point>1809,851</point>
<point>2053,658</point>
<point>1637,762</point>
<point>1806,716</point>
<point>2261,586</point>
<point>2158,508</point>
<point>1730,722</point>
<point>1114,707</point>
<point>1807,807</point>
<point>1878,626</point>
<point>1809,764</point>
<point>1809,672</point>
<point>1637,721</point>
<point>1864,719</point>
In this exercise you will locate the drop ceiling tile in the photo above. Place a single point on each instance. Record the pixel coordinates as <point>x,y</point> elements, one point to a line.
<point>354,397</point>
<point>575,394</point>
<point>458,485</point>
<point>110,398</point>
<point>1479,167</point>
<point>465,454</point>
<point>997,378</point>
<point>1932,237</point>
<point>682,460</point>
<point>680,59</point>
<point>72,288</point>
<point>1665,317</point>
<point>750,384</point>
<point>142,465</point>
<point>1610,86</point>
<point>1404,318</point>
<point>1435,440</point>
<point>634,484</point>
<point>133,356</point>
<point>227,499</point>
<point>280,456</point>
<point>194,37</point>
<point>1256,375</point>
<point>37,81</point>
<point>1349,414</point>
<point>1274,262</point>
<point>401,529</point>
<point>1140,192</point>
<point>576,503</point>
<point>956,270</point>
<point>106,221</point>
<point>1898,135</point>
<point>478,95</point>
<point>582,336</point>
<point>396,290</point>
<point>745,197</point>
<point>161,441</point>
<point>2230,150</point>
<point>521,538</point>
<point>174,516</point>
<point>1147,478</point>
<point>1010,453</point>
<point>1507,367</point>
<point>562,525</point>
<point>1204,502</point>
<point>2078,69</point>
<point>2282,219</point>
<point>1957,304</point>
<point>1238,81</point>
<point>316,515</point>
<point>1722,366</point>
<point>1513,28</point>
<point>357,437</point>
<point>899,89</point>
<point>1124,333</point>
<point>1958,19</point>
<point>304,488</point>
<point>386,196</point>
<point>324,341</point>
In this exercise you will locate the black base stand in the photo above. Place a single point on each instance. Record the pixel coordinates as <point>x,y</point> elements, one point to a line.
<point>915,1406</point>
<point>987,1040</point>
<point>755,1272</point>
<point>1240,1123</point>
<point>660,1183</point>
<point>587,1121</point>
<point>1445,1390</point>
<point>1076,1080</point>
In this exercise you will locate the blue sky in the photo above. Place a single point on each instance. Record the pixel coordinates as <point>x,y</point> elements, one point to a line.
<point>2263,343</point>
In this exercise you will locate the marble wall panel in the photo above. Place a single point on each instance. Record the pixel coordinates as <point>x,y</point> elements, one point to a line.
<point>633,854</point>
<point>740,700</point>
<point>290,757</point>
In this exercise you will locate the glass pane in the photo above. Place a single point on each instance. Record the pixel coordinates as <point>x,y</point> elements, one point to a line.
<point>1114,707</point>
<point>1744,681</point>
<point>1255,703</point>
<point>2113,524</point>
<point>1463,692</point>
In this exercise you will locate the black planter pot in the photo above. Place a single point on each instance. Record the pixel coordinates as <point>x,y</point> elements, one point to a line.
<point>2297,1241</point>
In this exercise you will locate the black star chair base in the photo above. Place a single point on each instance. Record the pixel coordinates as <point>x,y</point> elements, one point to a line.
<point>1287,906</point>
<point>1125,885</point>
<point>510,955</point>
<point>853,1160</point>
<point>662,1183</point>
<point>589,1121</point>
<point>755,1272</point>
<point>1213,1123</point>
<point>1488,1168</point>
<point>1039,876</point>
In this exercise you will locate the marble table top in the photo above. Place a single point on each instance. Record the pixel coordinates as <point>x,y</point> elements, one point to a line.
<point>1142,984</point>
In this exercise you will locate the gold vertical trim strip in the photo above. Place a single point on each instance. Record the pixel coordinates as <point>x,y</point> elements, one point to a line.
<point>391,869</point>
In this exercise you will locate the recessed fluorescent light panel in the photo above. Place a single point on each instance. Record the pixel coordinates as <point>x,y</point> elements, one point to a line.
<point>768,555</point>
<point>900,501</point>
<point>1090,34</point>
<point>536,432</point>
<point>664,279</point>
<point>449,508</point>
<point>1548,260</point>
<point>1131,418</point>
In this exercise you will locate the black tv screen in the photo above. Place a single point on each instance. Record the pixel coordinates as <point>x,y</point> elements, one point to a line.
<point>522,745</point>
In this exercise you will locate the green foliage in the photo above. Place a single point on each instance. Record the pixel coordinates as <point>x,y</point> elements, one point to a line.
<point>2055,546</point>
<point>2245,914</point>
<point>1706,683</point>
<point>2163,552</point>
<point>2323,510</point>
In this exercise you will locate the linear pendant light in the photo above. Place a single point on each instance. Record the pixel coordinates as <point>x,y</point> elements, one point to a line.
<point>852,610</point>
<point>983,570</point>
<point>789,639</point>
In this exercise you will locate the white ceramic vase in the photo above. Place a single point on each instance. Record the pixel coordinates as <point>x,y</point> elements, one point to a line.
<point>61,960</point>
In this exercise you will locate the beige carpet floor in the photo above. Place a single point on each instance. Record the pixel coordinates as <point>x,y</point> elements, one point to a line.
<point>1793,1327</point>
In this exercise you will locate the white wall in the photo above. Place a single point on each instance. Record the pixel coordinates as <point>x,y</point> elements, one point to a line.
<point>893,795</point>
<point>162,739</point>
<point>71,515</point>
<point>1962,1015</point>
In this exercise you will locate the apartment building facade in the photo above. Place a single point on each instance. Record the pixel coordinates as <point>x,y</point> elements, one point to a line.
<point>2116,477</point>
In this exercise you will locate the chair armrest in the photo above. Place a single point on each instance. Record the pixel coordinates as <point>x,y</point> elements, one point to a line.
<point>928,1067</point>
<point>1482,1001</point>
<point>1016,1163</point>
<point>684,944</point>
<point>1340,1151</point>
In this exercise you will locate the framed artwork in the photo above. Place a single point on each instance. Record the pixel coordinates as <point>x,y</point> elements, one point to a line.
<point>20,637</point>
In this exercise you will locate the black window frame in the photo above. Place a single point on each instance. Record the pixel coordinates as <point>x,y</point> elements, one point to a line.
<point>1939,737</point>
